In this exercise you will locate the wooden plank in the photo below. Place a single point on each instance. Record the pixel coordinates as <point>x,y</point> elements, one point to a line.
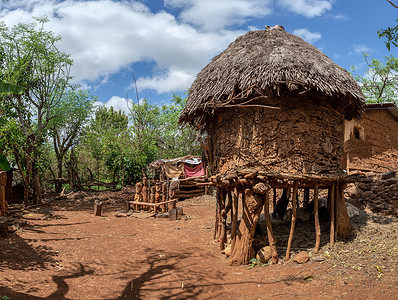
<point>270,233</point>
<point>153,204</point>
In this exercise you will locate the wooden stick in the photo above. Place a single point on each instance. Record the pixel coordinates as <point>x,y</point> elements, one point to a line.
<point>293,224</point>
<point>270,233</point>
<point>274,204</point>
<point>223,234</point>
<point>216,223</point>
<point>316,214</point>
<point>234,216</point>
<point>153,204</point>
<point>336,206</point>
<point>331,195</point>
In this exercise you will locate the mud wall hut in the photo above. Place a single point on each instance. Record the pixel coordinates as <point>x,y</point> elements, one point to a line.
<point>273,109</point>
<point>371,144</point>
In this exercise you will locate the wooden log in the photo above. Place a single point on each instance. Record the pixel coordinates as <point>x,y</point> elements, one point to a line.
<point>3,183</point>
<point>331,196</point>
<point>274,204</point>
<point>293,223</point>
<point>316,215</point>
<point>223,233</point>
<point>270,233</point>
<point>252,207</point>
<point>234,216</point>
<point>342,219</point>
<point>97,208</point>
<point>155,204</point>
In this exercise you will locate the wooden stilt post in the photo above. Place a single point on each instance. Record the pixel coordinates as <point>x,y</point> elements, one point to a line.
<point>331,196</point>
<point>336,204</point>
<point>218,213</point>
<point>234,216</point>
<point>274,204</point>
<point>293,223</point>
<point>316,214</point>
<point>270,233</point>
<point>223,221</point>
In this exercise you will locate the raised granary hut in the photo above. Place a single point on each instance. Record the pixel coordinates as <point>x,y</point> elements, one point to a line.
<point>272,108</point>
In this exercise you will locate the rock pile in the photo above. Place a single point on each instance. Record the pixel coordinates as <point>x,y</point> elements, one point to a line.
<point>379,193</point>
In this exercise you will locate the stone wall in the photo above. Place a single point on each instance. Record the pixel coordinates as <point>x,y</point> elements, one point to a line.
<point>302,137</point>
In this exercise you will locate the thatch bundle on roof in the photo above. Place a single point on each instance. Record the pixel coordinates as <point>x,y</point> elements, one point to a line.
<point>265,62</point>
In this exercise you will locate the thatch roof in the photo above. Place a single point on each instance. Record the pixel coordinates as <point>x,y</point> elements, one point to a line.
<point>269,61</point>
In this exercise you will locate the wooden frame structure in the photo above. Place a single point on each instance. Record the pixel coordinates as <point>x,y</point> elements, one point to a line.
<point>252,188</point>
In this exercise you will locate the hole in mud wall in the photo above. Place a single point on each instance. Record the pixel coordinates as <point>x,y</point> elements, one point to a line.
<point>358,133</point>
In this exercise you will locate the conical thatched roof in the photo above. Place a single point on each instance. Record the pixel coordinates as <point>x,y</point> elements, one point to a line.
<point>269,61</point>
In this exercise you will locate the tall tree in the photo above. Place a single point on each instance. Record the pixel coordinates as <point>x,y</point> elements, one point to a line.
<point>29,58</point>
<point>71,116</point>
<point>380,83</point>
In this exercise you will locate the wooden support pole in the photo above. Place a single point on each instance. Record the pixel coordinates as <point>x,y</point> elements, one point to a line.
<point>218,214</point>
<point>331,196</point>
<point>97,208</point>
<point>270,233</point>
<point>293,223</point>
<point>274,204</point>
<point>234,216</point>
<point>223,233</point>
<point>336,205</point>
<point>316,214</point>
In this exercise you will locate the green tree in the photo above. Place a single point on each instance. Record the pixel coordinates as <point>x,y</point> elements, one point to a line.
<point>29,58</point>
<point>380,83</point>
<point>71,115</point>
<point>391,33</point>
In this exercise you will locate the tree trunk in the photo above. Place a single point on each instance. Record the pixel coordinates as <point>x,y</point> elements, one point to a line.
<point>58,185</point>
<point>36,186</point>
<point>252,206</point>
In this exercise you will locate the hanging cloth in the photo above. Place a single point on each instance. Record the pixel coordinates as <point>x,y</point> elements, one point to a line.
<point>195,171</point>
<point>173,171</point>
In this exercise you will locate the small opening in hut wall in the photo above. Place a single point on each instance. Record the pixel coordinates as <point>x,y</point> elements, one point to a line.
<point>358,133</point>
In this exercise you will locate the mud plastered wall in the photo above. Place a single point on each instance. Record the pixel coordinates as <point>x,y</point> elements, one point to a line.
<point>301,137</point>
<point>379,133</point>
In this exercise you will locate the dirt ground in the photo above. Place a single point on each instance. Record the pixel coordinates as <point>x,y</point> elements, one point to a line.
<point>64,252</point>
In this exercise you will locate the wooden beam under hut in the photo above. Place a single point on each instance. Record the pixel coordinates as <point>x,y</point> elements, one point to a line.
<point>293,222</point>
<point>270,233</point>
<point>234,216</point>
<point>331,196</point>
<point>316,216</point>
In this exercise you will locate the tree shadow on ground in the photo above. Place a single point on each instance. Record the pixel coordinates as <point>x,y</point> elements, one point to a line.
<point>17,254</point>
<point>166,276</point>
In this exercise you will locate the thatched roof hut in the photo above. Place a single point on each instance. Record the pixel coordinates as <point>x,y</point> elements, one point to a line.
<point>269,61</point>
<point>273,100</point>
<point>273,108</point>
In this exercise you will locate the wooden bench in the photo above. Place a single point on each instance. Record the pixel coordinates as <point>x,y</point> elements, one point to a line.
<point>135,205</point>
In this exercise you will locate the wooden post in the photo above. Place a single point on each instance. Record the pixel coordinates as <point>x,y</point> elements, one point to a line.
<point>234,216</point>
<point>270,233</point>
<point>274,204</point>
<point>218,215</point>
<point>316,215</point>
<point>223,221</point>
<point>252,207</point>
<point>293,223</point>
<point>331,196</point>
<point>145,194</point>
<point>97,208</point>
<point>343,222</point>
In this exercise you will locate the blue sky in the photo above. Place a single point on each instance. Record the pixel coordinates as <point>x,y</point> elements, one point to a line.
<point>166,43</point>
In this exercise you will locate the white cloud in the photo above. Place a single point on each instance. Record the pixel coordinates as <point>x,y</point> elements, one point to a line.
<point>308,36</point>
<point>118,103</point>
<point>173,80</point>
<point>105,36</point>
<point>218,14</point>
<point>341,17</point>
<point>307,8</point>
<point>361,49</point>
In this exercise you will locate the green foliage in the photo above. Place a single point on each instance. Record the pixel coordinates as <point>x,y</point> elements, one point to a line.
<point>380,84</point>
<point>4,164</point>
<point>10,89</point>
<point>390,34</point>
